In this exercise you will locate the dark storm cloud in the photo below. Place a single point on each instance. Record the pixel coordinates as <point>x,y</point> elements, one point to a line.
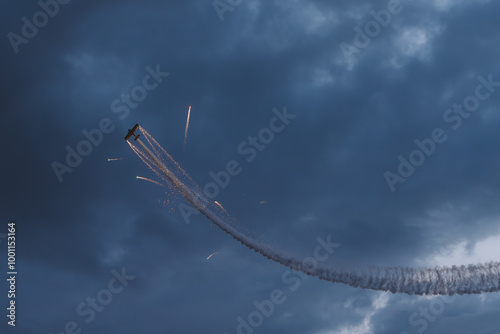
<point>323,175</point>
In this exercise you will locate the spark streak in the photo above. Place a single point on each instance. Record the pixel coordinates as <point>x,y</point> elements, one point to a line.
<point>187,127</point>
<point>146,179</point>
<point>115,159</point>
<point>208,258</point>
<point>220,206</point>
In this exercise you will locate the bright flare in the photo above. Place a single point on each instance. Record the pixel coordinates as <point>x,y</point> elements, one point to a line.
<point>187,127</point>
<point>146,179</point>
<point>208,258</point>
<point>220,206</point>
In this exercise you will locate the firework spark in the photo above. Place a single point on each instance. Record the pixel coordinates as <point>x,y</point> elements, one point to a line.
<point>114,159</point>
<point>146,179</point>
<point>220,206</point>
<point>208,258</point>
<point>187,127</point>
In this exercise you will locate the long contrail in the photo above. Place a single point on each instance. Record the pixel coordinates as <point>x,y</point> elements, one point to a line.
<point>471,279</point>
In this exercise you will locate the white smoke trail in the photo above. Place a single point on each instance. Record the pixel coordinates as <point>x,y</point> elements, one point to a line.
<point>471,279</point>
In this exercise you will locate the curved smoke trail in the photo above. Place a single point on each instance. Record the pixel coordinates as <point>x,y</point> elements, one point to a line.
<point>471,279</point>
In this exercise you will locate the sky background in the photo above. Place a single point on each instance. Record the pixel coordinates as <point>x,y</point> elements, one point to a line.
<point>323,175</point>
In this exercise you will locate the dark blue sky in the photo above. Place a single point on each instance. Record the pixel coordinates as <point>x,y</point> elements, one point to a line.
<point>393,153</point>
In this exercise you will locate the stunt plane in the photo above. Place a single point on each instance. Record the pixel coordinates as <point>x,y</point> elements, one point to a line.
<point>131,133</point>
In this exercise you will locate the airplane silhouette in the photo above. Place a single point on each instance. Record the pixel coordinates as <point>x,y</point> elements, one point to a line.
<point>131,133</point>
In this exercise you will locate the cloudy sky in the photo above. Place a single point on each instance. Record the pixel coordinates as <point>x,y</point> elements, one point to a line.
<point>390,148</point>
